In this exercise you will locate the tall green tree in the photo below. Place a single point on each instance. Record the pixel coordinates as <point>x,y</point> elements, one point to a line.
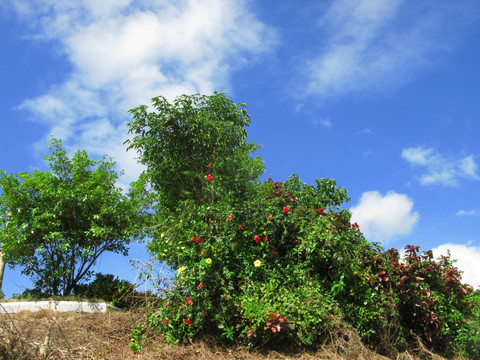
<point>55,224</point>
<point>184,142</point>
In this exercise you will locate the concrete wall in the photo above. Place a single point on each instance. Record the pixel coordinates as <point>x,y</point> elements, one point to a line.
<point>56,305</point>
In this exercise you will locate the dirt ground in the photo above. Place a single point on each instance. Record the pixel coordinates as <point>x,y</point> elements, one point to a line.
<point>55,335</point>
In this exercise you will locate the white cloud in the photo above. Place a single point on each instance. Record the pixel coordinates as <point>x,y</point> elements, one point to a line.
<point>473,212</point>
<point>439,169</point>
<point>378,45</point>
<point>123,53</point>
<point>468,258</point>
<point>383,217</point>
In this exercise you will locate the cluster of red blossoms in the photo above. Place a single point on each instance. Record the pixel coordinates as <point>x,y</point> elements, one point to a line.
<point>199,240</point>
<point>257,239</point>
<point>189,302</point>
<point>209,176</point>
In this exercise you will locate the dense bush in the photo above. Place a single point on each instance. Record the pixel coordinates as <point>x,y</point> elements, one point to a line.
<point>105,287</point>
<point>278,262</point>
<point>119,293</point>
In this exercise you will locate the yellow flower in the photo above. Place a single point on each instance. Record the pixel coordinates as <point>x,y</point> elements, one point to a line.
<point>213,249</point>
<point>208,261</point>
<point>257,263</point>
<point>181,270</point>
<point>265,233</point>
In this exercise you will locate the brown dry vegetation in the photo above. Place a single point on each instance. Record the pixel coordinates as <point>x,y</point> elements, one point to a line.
<point>54,335</point>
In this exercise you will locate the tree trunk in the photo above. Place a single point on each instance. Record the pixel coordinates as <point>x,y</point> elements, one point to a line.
<point>2,263</point>
<point>2,270</point>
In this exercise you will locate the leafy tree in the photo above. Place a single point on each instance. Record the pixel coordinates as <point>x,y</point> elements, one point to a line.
<point>55,224</point>
<point>182,144</point>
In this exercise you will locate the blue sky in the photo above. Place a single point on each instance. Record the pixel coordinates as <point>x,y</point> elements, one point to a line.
<point>382,95</point>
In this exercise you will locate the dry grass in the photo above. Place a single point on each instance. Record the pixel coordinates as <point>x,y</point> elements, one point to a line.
<point>54,335</point>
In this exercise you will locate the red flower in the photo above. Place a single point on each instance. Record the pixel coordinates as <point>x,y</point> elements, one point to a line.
<point>209,177</point>
<point>256,238</point>
<point>230,217</point>
<point>165,320</point>
<point>356,226</point>
<point>286,209</point>
<point>265,239</point>
<point>209,165</point>
<point>200,240</point>
<point>239,227</point>
<point>270,216</point>
<point>189,302</point>
<point>168,303</point>
<point>187,322</point>
<point>200,285</point>
<point>194,238</point>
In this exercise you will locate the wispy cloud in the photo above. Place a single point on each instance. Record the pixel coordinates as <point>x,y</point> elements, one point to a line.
<point>323,122</point>
<point>440,170</point>
<point>468,258</point>
<point>366,131</point>
<point>382,217</point>
<point>474,212</point>
<point>378,45</point>
<point>123,53</point>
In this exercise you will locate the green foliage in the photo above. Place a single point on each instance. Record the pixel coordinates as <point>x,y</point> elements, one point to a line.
<point>31,294</point>
<point>277,262</point>
<point>55,224</point>
<point>178,140</point>
<point>430,300</point>
<point>109,288</point>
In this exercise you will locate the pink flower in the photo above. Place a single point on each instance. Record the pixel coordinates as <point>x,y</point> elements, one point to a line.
<point>165,320</point>
<point>200,285</point>
<point>270,216</point>
<point>286,209</point>
<point>187,322</point>
<point>230,217</point>
<point>209,177</point>
<point>189,302</point>
<point>256,238</point>
<point>168,303</point>
<point>276,328</point>
<point>239,227</point>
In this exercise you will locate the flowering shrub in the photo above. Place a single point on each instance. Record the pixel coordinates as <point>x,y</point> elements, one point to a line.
<point>430,300</point>
<point>245,277</point>
<point>277,262</point>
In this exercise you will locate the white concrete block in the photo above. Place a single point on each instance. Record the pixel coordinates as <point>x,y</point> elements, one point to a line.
<point>56,305</point>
